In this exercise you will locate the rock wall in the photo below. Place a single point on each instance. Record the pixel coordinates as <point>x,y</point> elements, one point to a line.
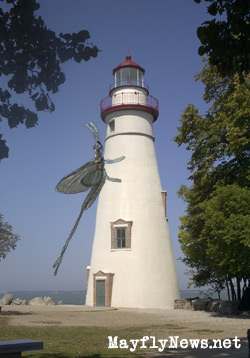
<point>208,305</point>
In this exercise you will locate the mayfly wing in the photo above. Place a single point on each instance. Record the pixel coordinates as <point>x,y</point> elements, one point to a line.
<point>89,200</point>
<point>112,161</point>
<point>81,179</point>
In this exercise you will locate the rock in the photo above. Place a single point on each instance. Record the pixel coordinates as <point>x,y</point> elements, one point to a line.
<point>48,301</point>
<point>192,298</point>
<point>188,305</point>
<point>182,304</point>
<point>19,301</point>
<point>201,304</point>
<point>227,307</point>
<point>7,299</point>
<point>214,306</point>
<point>245,313</point>
<point>209,305</point>
<point>38,301</point>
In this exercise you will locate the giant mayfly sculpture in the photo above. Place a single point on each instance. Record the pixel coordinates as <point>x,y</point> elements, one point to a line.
<point>91,175</point>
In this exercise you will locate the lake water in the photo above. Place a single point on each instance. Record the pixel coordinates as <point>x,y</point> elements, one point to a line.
<point>78,297</point>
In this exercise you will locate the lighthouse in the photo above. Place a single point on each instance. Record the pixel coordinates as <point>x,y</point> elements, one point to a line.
<point>132,263</point>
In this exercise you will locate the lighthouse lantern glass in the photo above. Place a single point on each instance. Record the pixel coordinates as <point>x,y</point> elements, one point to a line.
<point>129,76</point>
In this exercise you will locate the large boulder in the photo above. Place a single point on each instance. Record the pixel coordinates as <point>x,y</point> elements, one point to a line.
<point>227,307</point>
<point>38,301</point>
<point>7,299</point>
<point>180,303</point>
<point>183,304</point>
<point>19,301</point>
<point>201,304</point>
<point>214,306</point>
<point>48,301</point>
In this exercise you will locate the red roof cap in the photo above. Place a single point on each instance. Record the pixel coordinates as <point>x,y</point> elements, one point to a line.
<point>128,63</point>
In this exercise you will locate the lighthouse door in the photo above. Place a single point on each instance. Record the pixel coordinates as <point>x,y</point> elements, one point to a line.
<point>100,292</point>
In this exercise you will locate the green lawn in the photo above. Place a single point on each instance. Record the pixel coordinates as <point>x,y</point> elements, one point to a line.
<point>73,342</point>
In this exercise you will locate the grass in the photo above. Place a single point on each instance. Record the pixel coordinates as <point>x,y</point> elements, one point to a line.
<point>206,331</point>
<point>74,342</point>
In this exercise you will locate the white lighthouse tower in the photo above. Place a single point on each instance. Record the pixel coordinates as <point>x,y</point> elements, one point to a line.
<point>132,262</point>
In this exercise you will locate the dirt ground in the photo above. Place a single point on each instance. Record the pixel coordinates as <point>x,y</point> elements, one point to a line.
<point>190,323</point>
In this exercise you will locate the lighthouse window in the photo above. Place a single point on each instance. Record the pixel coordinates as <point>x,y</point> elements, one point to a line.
<point>112,125</point>
<point>118,78</point>
<point>140,79</point>
<point>129,76</point>
<point>133,76</point>
<point>121,237</point>
<point>121,234</point>
<point>126,75</point>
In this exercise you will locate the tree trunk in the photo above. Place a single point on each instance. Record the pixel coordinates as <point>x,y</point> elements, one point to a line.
<point>232,290</point>
<point>228,291</point>
<point>238,280</point>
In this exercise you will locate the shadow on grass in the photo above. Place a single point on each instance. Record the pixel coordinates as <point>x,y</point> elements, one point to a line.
<point>43,355</point>
<point>103,355</point>
<point>235,316</point>
<point>15,313</point>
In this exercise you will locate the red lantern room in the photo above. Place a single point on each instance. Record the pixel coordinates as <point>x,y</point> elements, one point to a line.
<point>129,73</point>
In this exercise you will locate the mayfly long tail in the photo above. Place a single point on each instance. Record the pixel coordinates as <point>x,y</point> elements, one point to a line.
<point>92,195</point>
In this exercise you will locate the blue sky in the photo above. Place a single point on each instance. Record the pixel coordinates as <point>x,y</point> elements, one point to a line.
<point>162,38</point>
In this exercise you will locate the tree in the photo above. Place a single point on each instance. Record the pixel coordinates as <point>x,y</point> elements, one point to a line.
<point>220,139</point>
<point>30,59</point>
<point>227,43</point>
<point>215,240</point>
<point>8,240</point>
<point>214,233</point>
<point>227,229</point>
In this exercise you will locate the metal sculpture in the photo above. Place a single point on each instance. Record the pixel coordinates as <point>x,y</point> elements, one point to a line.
<point>91,175</point>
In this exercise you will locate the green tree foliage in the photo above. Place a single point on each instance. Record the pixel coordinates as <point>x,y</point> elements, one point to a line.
<point>214,236</point>
<point>226,39</point>
<point>220,139</point>
<point>30,59</point>
<point>8,240</point>
<point>215,232</point>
